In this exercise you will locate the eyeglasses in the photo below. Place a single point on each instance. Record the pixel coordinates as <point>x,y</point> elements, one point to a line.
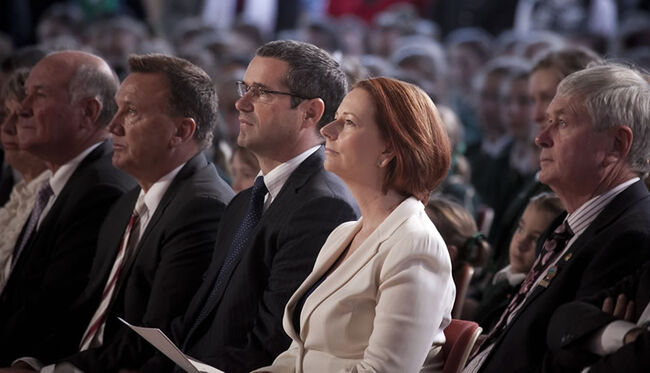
<point>263,94</point>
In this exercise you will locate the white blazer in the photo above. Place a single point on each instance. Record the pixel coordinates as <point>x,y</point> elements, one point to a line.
<point>383,309</point>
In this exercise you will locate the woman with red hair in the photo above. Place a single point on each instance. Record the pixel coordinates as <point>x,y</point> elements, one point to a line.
<point>381,290</point>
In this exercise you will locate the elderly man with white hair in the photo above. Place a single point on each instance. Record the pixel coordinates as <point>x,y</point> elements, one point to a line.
<point>595,147</point>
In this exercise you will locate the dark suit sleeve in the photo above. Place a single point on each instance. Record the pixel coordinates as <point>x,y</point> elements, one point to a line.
<point>299,244</point>
<point>574,324</point>
<point>185,252</point>
<point>66,273</point>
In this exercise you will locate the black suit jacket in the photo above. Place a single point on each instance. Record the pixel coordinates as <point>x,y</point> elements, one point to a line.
<point>609,249</point>
<point>52,271</point>
<point>160,279</point>
<point>244,331</point>
<point>573,325</point>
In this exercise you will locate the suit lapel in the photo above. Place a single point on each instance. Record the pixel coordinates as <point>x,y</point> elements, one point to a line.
<point>75,181</point>
<point>187,171</point>
<point>111,246</point>
<point>356,261</point>
<point>286,197</point>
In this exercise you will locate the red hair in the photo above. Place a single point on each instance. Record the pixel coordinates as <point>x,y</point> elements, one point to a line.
<point>413,130</point>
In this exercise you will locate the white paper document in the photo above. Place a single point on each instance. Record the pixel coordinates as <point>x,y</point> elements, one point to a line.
<point>160,341</point>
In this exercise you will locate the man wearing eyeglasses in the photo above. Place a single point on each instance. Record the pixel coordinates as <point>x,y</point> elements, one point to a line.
<point>271,233</point>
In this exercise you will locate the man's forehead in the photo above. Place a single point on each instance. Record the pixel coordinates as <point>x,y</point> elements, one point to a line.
<point>266,71</point>
<point>48,73</point>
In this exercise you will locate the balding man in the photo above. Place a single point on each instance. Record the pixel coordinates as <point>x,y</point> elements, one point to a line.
<point>595,145</point>
<point>70,96</point>
<point>157,240</point>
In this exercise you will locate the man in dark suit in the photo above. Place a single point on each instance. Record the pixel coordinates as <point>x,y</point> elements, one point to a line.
<point>234,321</point>
<point>592,156</point>
<point>608,332</point>
<point>70,97</point>
<point>158,135</point>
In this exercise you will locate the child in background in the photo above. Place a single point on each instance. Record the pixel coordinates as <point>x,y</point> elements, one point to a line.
<point>466,245</point>
<point>537,216</point>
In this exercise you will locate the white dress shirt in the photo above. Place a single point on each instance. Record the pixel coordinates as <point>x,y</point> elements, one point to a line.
<point>275,179</point>
<point>60,178</point>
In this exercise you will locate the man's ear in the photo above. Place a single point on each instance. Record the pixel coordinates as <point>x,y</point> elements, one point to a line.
<point>90,110</point>
<point>622,143</point>
<point>313,110</point>
<point>185,129</point>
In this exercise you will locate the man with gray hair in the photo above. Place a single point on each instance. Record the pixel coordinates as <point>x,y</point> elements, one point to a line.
<point>595,145</point>
<point>70,98</point>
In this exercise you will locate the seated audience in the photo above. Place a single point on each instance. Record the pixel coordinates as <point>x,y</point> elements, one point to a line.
<point>538,215</point>
<point>545,75</point>
<point>381,291</point>
<point>15,212</point>
<point>592,156</point>
<point>270,239</point>
<point>69,103</point>
<point>163,230</point>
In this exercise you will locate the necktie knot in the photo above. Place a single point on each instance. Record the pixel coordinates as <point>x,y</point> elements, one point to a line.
<point>560,236</point>
<point>259,190</point>
<point>44,193</point>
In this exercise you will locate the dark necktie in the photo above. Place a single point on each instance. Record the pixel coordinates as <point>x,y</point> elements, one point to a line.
<point>553,246</point>
<point>42,198</point>
<point>252,217</point>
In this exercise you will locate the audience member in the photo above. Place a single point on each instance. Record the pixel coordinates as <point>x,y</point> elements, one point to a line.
<point>381,291</point>
<point>244,167</point>
<point>68,105</point>
<point>545,75</point>
<point>162,231</point>
<point>269,242</point>
<point>595,146</point>
<point>468,248</point>
<point>458,229</point>
<point>486,158</point>
<point>15,212</point>
<point>538,215</point>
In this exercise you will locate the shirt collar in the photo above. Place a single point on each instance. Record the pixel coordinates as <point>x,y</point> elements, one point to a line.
<point>277,177</point>
<point>584,215</point>
<point>156,192</point>
<point>63,174</point>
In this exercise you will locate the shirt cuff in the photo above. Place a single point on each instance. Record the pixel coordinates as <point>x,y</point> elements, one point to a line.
<point>610,337</point>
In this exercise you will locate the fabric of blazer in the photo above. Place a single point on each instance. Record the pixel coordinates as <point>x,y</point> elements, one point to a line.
<point>244,331</point>
<point>36,318</point>
<point>383,309</point>
<point>166,269</point>
<point>573,324</point>
<point>612,247</point>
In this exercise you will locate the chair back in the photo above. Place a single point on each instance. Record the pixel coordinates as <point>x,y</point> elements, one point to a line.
<point>462,278</point>
<point>460,338</point>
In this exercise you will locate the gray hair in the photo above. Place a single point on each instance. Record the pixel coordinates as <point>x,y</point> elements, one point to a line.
<point>312,73</point>
<point>89,81</point>
<point>191,91</point>
<point>615,95</point>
